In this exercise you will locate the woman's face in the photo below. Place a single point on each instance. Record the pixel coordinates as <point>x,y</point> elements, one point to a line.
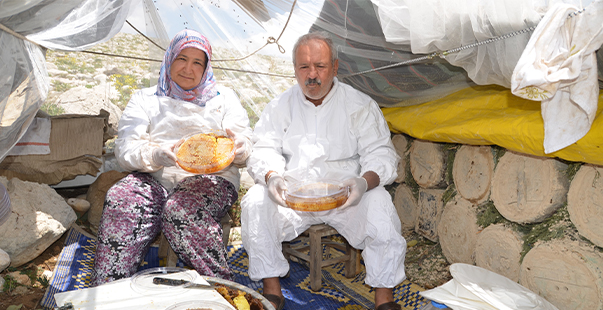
<point>188,67</point>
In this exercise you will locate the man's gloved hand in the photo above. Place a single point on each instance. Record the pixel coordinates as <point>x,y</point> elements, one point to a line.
<point>164,156</point>
<point>276,187</point>
<point>358,187</point>
<point>241,152</point>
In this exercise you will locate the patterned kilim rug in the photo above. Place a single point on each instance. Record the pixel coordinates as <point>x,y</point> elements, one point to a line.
<point>74,266</point>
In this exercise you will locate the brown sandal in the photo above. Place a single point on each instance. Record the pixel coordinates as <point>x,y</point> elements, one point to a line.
<point>277,300</point>
<point>392,305</point>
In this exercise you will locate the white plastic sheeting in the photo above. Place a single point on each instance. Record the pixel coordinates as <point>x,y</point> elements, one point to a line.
<point>476,288</point>
<point>439,25</point>
<point>70,25</point>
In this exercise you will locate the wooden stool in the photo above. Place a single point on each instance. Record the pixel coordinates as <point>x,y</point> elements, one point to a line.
<point>165,250</point>
<point>316,236</point>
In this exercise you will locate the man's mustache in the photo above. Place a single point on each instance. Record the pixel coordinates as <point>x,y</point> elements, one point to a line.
<point>313,81</point>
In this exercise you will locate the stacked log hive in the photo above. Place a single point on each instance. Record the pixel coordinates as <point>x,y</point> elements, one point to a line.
<point>527,218</point>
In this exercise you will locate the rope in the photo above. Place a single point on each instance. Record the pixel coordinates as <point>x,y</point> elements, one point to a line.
<point>443,54</point>
<point>271,40</point>
<point>142,34</point>
<point>10,31</point>
<point>248,71</point>
<point>122,56</point>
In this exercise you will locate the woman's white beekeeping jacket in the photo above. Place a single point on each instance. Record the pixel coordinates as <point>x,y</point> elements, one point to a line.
<point>343,137</point>
<point>150,121</point>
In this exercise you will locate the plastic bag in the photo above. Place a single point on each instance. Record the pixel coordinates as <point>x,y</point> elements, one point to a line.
<point>475,288</point>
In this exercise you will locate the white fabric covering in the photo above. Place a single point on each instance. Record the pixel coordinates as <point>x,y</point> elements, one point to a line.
<point>559,68</point>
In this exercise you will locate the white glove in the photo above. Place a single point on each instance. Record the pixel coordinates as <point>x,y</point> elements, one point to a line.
<point>358,187</point>
<point>164,156</point>
<point>276,187</point>
<point>241,152</point>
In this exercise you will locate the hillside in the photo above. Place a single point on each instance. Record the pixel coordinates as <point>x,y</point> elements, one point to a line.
<point>115,79</point>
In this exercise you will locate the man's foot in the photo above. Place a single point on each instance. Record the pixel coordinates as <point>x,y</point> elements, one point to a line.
<point>384,299</point>
<point>272,292</point>
<point>277,301</point>
<point>391,305</point>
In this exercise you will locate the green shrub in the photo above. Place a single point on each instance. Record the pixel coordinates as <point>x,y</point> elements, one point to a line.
<point>60,86</point>
<point>52,109</point>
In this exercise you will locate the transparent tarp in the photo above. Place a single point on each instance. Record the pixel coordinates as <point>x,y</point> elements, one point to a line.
<point>66,25</point>
<point>369,35</point>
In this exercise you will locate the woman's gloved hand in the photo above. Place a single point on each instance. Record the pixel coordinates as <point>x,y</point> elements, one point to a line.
<point>240,147</point>
<point>164,156</point>
<point>358,187</point>
<point>276,187</point>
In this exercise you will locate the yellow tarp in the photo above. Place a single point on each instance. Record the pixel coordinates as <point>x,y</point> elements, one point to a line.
<point>491,115</point>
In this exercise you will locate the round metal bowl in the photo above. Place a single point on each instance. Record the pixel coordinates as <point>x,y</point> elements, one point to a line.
<point>213,280</point>
<point>316,195</point>
<point>205,152</point>
<point>198,304</point>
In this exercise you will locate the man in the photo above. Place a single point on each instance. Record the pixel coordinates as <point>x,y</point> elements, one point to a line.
<point>321,128</point>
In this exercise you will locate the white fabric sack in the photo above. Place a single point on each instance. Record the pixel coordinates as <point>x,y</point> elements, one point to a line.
<point>476,288</point>
<point>559,68</point>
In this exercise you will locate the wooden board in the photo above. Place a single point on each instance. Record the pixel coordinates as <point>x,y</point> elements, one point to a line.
<point>430,211</point>
<point>498,249</point>
<point>564,273</point>
<point>406,206</point>
<point>585,203</point>
<point>527,189</point>
<point>401,144</point>
<point>457,231</point>
<point>472,172</point>
<point>428,164</point>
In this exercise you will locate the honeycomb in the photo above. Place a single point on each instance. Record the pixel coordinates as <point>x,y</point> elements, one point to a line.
<point>205,153</point>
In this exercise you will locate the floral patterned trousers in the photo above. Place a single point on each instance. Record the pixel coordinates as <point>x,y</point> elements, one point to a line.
<point>138,208</point>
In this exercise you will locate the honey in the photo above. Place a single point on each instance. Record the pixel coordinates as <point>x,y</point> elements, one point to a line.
<point>319,196</point>
<point>205,153</point>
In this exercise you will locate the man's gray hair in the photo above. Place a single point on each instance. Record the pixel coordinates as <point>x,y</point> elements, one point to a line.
<point>318,35</point>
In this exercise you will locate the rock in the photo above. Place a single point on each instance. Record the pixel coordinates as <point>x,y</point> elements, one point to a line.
<point>100,79</point>
<point>96,99</point>
<point>39,217</point>
<point>78,205</point>
<point>51,66</point>
<point>20,278</point>
<point>246,180</point>
<point>1,284</point>
<point>4,260</point>
<point>96,195</point>
<point>47,274</point>
<point>20,291</point>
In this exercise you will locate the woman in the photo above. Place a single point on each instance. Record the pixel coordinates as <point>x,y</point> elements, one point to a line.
<point>158,195</point>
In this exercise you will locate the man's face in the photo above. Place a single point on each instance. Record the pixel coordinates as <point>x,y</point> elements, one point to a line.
<point>188,68</point>
<point>314,71</point>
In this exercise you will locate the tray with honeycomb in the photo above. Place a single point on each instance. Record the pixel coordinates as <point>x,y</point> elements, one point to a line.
<point>205,153</point>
